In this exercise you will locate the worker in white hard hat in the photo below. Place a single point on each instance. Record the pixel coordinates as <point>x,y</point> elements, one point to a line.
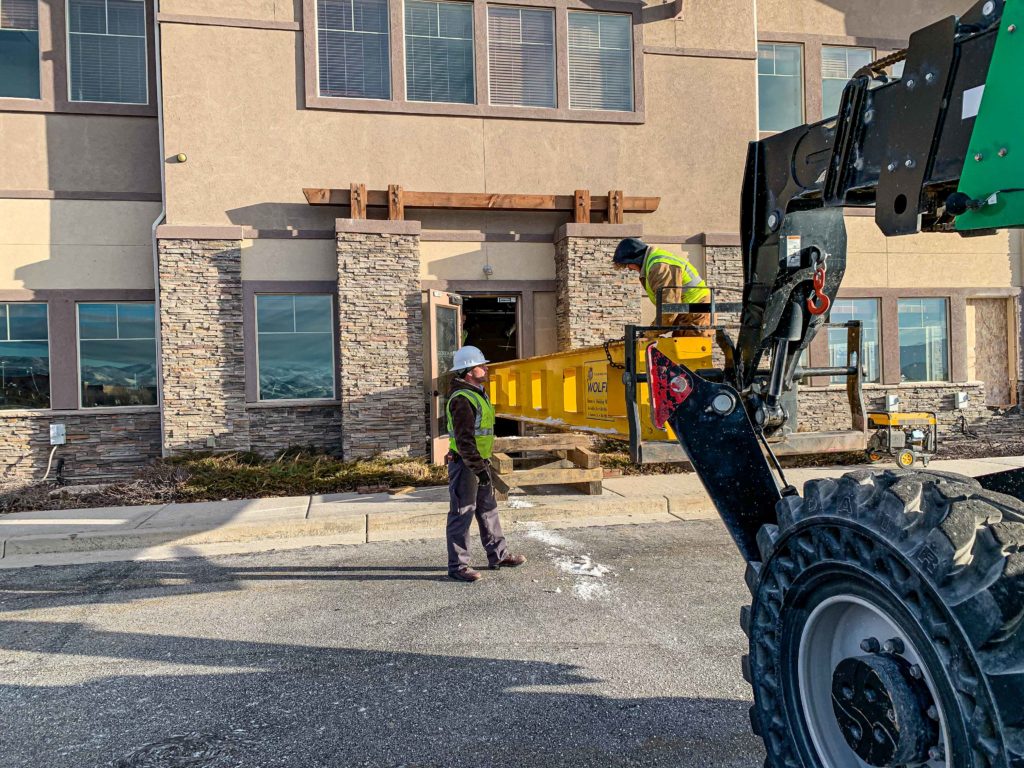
<point>471,443</point>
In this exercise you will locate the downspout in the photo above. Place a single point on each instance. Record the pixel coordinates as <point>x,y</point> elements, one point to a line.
<point>161,217</point>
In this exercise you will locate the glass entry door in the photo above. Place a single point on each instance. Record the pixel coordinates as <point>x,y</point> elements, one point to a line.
<point>443,334</point>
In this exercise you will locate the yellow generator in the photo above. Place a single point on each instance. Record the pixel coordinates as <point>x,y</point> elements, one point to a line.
<point>909,437</point>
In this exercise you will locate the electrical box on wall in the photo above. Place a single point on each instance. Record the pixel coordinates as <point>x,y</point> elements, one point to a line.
<point>961,400</point>
<point>58,434</point>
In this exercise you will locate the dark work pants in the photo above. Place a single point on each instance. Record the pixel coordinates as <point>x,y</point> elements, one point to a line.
<point>468,500</point>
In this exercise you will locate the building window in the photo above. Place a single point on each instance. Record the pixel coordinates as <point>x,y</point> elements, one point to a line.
<point>107,51</point>
<point>780,90</point>
<point>24,356</point>
<point>924,340</point>
<point>19,49</point>
<point>521,50</point>
<point>838,65</point>
<point>353,48</point>
<point>865,310</point>
<point>439,52</point>
<point>117,354</point>
<point>295,346</point>
<point>600,61</point>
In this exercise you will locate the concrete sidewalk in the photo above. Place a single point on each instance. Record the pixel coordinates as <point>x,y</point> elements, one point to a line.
<point>211,528</point>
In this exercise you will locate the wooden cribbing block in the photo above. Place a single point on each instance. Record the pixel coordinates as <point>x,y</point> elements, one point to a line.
<point>502,463</point>
<point>540,443</point>
<point>584,457</point>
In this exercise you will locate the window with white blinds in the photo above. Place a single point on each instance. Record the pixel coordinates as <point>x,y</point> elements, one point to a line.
<point>838,65</point>
<point>521,56</point>
<point>439,52</point>
<point>107,51</point>
<point>353,48</point>
<point>19,49</point>
<point>600,61</point>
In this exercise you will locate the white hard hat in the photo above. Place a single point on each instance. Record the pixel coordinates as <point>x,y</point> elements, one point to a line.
<point>468,357</point>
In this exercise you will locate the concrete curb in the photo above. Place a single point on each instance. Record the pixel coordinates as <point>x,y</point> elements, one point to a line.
<point>348,525</point>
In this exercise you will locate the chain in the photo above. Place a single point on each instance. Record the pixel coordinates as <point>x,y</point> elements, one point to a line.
<point>882,64</point>
<point>608,352</point>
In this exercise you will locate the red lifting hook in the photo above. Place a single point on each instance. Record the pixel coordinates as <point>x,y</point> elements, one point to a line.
<point>819,303</point>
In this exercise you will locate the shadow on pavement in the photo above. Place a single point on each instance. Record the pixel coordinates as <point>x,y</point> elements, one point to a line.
<point>134,699</point>
<point>127,581</point>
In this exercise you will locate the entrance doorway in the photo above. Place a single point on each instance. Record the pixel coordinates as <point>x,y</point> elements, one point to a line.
<point>492,323</point>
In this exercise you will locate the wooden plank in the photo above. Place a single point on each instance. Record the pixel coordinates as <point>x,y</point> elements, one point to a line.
<point>396,203</point>
<point>581,214</point>
<point>501,488</point>
<point>540,443</point>
<point>357,201</point>
<point>592,488</point>
<point>584,457</point>
<point>480,201</point>
<point>615,206</point>
<point>552,476</point>
<point>485,201</point>
<point>502,463</point>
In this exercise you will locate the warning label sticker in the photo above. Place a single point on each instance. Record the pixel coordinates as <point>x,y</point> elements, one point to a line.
<point>597,390</point>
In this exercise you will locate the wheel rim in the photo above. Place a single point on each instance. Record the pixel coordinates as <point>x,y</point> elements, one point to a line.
<point>833,632</point>
<point>906,459</point>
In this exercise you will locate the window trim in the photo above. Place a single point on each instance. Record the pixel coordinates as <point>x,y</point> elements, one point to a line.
<point>947,304</point>
<point>812,45</point>
<point>54,71</point>
<point>632,89</point>
<point>252,288</point>
<point>78,355</point>
<point>802,102</point>
<point>334,346</point>
<point>147,13</point>
<point>399,103</point>
<point>472,39</point>
<point>49,357</point>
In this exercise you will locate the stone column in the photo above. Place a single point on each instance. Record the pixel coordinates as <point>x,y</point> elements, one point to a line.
<point>594,301</point>
<point>202,352</point>
<point>380,310</point>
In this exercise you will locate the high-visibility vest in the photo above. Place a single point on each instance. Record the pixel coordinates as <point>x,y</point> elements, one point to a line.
<point>483,429</point>
<point>694,288</point>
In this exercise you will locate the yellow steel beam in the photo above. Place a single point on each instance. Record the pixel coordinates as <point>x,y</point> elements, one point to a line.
<point>580,390</point>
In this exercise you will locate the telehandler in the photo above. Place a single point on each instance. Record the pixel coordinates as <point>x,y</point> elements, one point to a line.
<point>886,622</point>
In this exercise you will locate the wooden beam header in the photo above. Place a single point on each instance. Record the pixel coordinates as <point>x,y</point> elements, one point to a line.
<point>396,201</point>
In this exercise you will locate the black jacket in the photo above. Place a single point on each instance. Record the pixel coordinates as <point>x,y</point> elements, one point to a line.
<point>464,426</point>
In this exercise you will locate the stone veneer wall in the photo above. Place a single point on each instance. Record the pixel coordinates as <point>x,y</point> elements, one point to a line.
<point>99,445</point>
<point>594,301</point>
<point>202,352</point>
<point>274,429</point>
<point>380,312</point>
<point>827,408</point>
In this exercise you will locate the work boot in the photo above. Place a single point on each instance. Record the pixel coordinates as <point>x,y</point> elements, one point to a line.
<point>509,561</point>
<point>465,574</point>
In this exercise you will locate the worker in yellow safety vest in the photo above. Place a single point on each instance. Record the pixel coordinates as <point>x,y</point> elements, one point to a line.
<point>678,280</point>
<point>470,492</point>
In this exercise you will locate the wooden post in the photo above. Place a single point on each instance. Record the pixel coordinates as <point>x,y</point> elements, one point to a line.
<point>615,206</point>
<point>358,201</point>
<point>396,203</point>
<point>581,214</point>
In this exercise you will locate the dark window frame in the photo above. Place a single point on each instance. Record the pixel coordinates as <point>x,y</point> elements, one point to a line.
<point>49,358</point>
<point>812,46</point>
<point>54,70</point>
<point>399,103</point>
<point>252,288</point>
<point>332,295</point>
<point>78,351</point>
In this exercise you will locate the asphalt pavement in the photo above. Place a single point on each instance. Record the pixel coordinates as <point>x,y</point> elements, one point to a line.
<point>613,646</point>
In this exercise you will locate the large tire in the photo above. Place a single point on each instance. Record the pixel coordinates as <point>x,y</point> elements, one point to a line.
<point>930,558</point>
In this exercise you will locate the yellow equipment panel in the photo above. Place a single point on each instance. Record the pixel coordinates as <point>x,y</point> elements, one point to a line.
<point>580,390</point>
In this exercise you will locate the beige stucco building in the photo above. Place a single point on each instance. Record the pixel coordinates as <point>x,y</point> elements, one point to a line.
<point>166,285</point>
